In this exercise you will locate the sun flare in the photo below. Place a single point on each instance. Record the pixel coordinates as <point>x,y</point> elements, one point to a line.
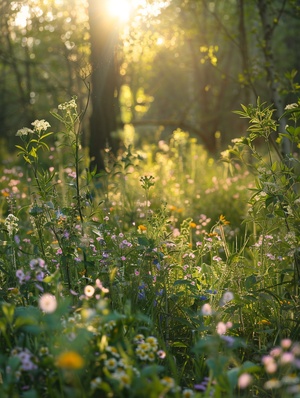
<point>123,9</point>
<point>120,9</point>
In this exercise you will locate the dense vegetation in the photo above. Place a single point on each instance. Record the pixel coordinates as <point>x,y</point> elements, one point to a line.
<point>183,282</point>
<point>147,250</point>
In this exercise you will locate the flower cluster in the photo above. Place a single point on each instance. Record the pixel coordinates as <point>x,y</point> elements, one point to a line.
<point>66,106</point>
<point>283,368</point>
<point>24,132</point>
<point>40,125</point>
<point>28,361</point>
<point>147,349</point>
<point>38,271</point>
<point>11,224</point>
<point>119,369</point>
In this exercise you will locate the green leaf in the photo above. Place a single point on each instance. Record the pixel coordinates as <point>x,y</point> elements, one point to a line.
<point>143,241</point>
<point>179,344</point>
<point>8,311</point>
<point>270,200</point>
<point>250,281</point>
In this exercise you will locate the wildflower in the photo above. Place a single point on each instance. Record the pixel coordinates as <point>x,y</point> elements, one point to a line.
<point>187,393</point>
<point>89,290</point>
<point>11,224</point>
<point>27,359</point>
<point>161,354</point>
<point>223,220</point>
<point>200,387</point>
<point>206,309</point>
<point>142,228</point>
<point>95,383</point>
<point>113,351</point>
<point>291,106</point>
<point>169,382</point>
<point>48,303</point>
<point>269,363</point>
<point>264,322</point>
<point>68,105</point>
<point>244,380</point>
<point>70,360</point>
<point>40,125</point>
<point>122,377</point>
<point>44,351</point>
<point>152,341</point>
<point>227,296</point>
<point>151,356</point>
<point>276,352</point>
<point>193,225</point>
<point>20,275</point>
<point>111,363</point>
<point>272,384</point>
<point>139,338</point>
<point>229,340</point>
<point>217,258</point>
<point>143,355</point>
<point>24,131</point>
<point>286,343</point>
<point>286,358</point>
<point>176,232</point>
<point>221,328</point>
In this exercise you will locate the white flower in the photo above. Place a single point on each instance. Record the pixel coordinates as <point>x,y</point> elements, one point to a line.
<point>24,131</point>
<point>111,363</point>
<point>188,393</point>
<point>89,290</point>
<point>11,223</point>
<point>68,105</point>
<point>40,125</point>
<point>227,296</point>
<point>48,303</point>
<point>291,106</point>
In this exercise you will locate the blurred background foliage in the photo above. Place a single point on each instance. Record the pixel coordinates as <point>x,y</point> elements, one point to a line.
<point>173,64</point>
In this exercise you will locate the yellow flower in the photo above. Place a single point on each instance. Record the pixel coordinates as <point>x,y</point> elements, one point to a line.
<point>193,225</point>
<point>223,220</point>
<point>264,322</point>
<point>142,228</point>
<point>70,360</point>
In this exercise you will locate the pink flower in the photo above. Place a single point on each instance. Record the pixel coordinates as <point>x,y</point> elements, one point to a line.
<point>244,380</point>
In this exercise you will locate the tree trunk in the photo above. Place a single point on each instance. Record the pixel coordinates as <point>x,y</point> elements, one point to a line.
<point>104,79</point>
<point>268,30</point>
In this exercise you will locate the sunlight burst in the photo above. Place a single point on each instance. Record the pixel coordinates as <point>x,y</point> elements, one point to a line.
<point>120,9</point>
<point>22,16</point>
<point>123,9</point>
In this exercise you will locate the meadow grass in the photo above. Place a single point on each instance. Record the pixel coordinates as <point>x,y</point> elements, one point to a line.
<point>169,274</point>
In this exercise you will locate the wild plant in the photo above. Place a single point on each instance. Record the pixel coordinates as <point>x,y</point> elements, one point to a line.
<point>273,217</point>
<point>61,203</point>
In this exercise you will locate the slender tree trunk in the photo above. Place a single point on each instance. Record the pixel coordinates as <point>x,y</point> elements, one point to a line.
<point>268,30</point>
<point>243,42</point>
<point>104,82</point>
